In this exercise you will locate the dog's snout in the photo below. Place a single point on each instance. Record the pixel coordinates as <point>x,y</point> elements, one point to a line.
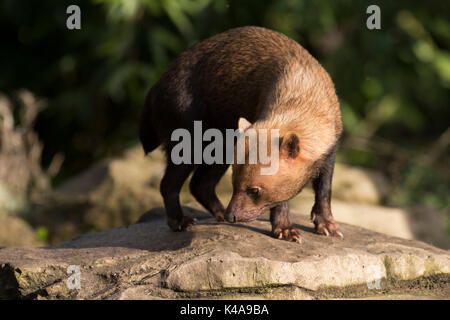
<point>230,217</point>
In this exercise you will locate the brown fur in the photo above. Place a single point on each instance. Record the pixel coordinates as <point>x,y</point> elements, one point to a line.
<point>268,79</point>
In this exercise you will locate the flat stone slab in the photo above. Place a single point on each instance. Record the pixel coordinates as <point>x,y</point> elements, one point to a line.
<point>220,260</point>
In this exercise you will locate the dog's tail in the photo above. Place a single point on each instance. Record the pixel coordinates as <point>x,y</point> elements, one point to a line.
<point>147,133</point>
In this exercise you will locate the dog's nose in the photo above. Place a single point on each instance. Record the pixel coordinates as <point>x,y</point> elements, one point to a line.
<point>230,217</point>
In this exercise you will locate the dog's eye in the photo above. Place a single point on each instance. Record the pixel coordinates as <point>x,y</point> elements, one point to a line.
<point>253,192</point>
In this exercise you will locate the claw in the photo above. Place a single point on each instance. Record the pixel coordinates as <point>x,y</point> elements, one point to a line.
<point>183,225</point>
<point>289,234</point>
<point>326,226</point>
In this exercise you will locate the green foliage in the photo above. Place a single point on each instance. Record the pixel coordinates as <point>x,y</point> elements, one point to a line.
<point>42,233</point>
<point>393,83</point>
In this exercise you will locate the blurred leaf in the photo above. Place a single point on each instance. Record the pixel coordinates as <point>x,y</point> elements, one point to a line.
<point>42,233</point>
<point>424,51</point>
<point>442,67</point>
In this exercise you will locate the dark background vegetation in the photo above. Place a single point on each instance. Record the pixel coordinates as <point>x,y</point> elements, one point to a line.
<point>393,83</point>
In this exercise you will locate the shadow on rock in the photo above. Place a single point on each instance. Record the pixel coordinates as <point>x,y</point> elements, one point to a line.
<point>150,233</point>
<point>268,233</point>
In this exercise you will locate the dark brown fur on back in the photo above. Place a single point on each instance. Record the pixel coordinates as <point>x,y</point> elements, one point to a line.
<point>248,72</point>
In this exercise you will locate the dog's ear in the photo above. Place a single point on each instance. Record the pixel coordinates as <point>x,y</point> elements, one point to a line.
<point>290,145</point>
<point>243,124</point>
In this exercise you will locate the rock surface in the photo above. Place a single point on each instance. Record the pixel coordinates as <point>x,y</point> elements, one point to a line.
<point>16,232</point>
<point>219,260</point>
<point>360,185</point>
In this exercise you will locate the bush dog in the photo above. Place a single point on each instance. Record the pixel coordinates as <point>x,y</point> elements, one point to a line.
<point>248,77</point>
